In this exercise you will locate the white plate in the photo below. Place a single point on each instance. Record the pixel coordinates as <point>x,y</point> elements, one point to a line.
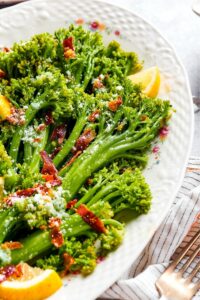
<point>166,173</point>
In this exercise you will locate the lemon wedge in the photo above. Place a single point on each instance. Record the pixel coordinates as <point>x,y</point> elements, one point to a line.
<point>5,107</point>
<point>149,80</point>
<point>34,284</point>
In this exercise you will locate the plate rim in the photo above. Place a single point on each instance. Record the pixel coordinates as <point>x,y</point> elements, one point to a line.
<point>183,71</point>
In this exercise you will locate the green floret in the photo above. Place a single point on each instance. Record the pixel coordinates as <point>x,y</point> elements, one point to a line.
<point>112,240</point>
<point>26,58</point>
<point>5,160</point>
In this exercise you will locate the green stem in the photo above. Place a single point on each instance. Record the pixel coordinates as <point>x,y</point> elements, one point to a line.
<point>70,141</point>
<point>35,161</point>
<point>27,152</point>
<point>8,219</point>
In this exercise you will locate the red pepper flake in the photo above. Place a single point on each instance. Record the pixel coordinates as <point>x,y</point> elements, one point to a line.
<point>71,203</point>
<point>94,116</point>
<point>11,245</point>
<point>10,271</point>
<point>55,152</point>
<point>17,116</point>
<point>41,127</point>
<point>114,104</point>
<point>156,149</point>
<point>164,131</point>
<point>69,53</point>
<point>91,219</point>
<point>117,32</point>
<point>56,234</point>
<point>85,139</point>
<point>100,259</point>
<point>2,74</point>
<point>48,118</point>
<point>68,261</point>
<point>94,25</point>
<point>59,133</point>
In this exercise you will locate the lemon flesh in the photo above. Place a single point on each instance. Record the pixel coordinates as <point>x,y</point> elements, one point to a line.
<point>36,284</point>
<point>149,80</point>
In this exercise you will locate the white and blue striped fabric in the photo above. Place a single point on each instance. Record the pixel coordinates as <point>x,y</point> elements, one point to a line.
<point>138,283</point>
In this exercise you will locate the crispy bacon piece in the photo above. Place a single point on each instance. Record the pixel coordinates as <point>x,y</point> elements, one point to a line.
<point>11,245</point>
<point>114,104</point>
<point>68,43</point>
<point>59,133</point>
<point>27,192</point>
<point>54,222</point>
<point>94,116</point>
<point>49,171</point>
<point>85,139</point>
<point>2,74</point>
<point>41,127</point>
<point>10,271</point>
<point>37,140</point>
<point>48,118</point>
<point>71,203</point>
<point>48,166</point>
<point>17,116</point>
<point>68,261</point>
<point>69,50</point>
<point>91,219</point>
<point>56,234</point>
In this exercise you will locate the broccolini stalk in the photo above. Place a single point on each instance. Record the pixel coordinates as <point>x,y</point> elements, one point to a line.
<point>139,128</point>
<point>51,92</point>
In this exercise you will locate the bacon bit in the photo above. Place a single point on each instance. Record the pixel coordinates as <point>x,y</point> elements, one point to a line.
<point>91,219</point>
<point>69,53</point>
<point>2,74</point>
<point>48,118</point>
<point>54,222</point>
<point>114,104</point>
<point>94,116</point>
<point>85,139</point>
<point>117,32</point>
<point>27,192</point>
<point>41,127</point>
<point>68,261</point>
<point>17,116</point>
<point>68,43</point>
<point>56,234</point>
<point>11,245</point>
<point>79,21</point>
<point>49,171</point>
<point>94,25</point>
<point>37,140</point>
<point>55,151</point>
<point>10,271</point>
<point>48,166</point>
<point>71,203</point>
<point>59,133</point>
<point>73,158</point>
<point>6,49</point>
<point>97,84</point>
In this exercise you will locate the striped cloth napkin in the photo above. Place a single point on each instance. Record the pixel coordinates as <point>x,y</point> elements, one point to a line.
<point>183,220</point>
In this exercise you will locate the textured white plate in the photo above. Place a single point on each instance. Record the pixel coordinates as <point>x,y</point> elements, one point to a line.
<point>166,173</point>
